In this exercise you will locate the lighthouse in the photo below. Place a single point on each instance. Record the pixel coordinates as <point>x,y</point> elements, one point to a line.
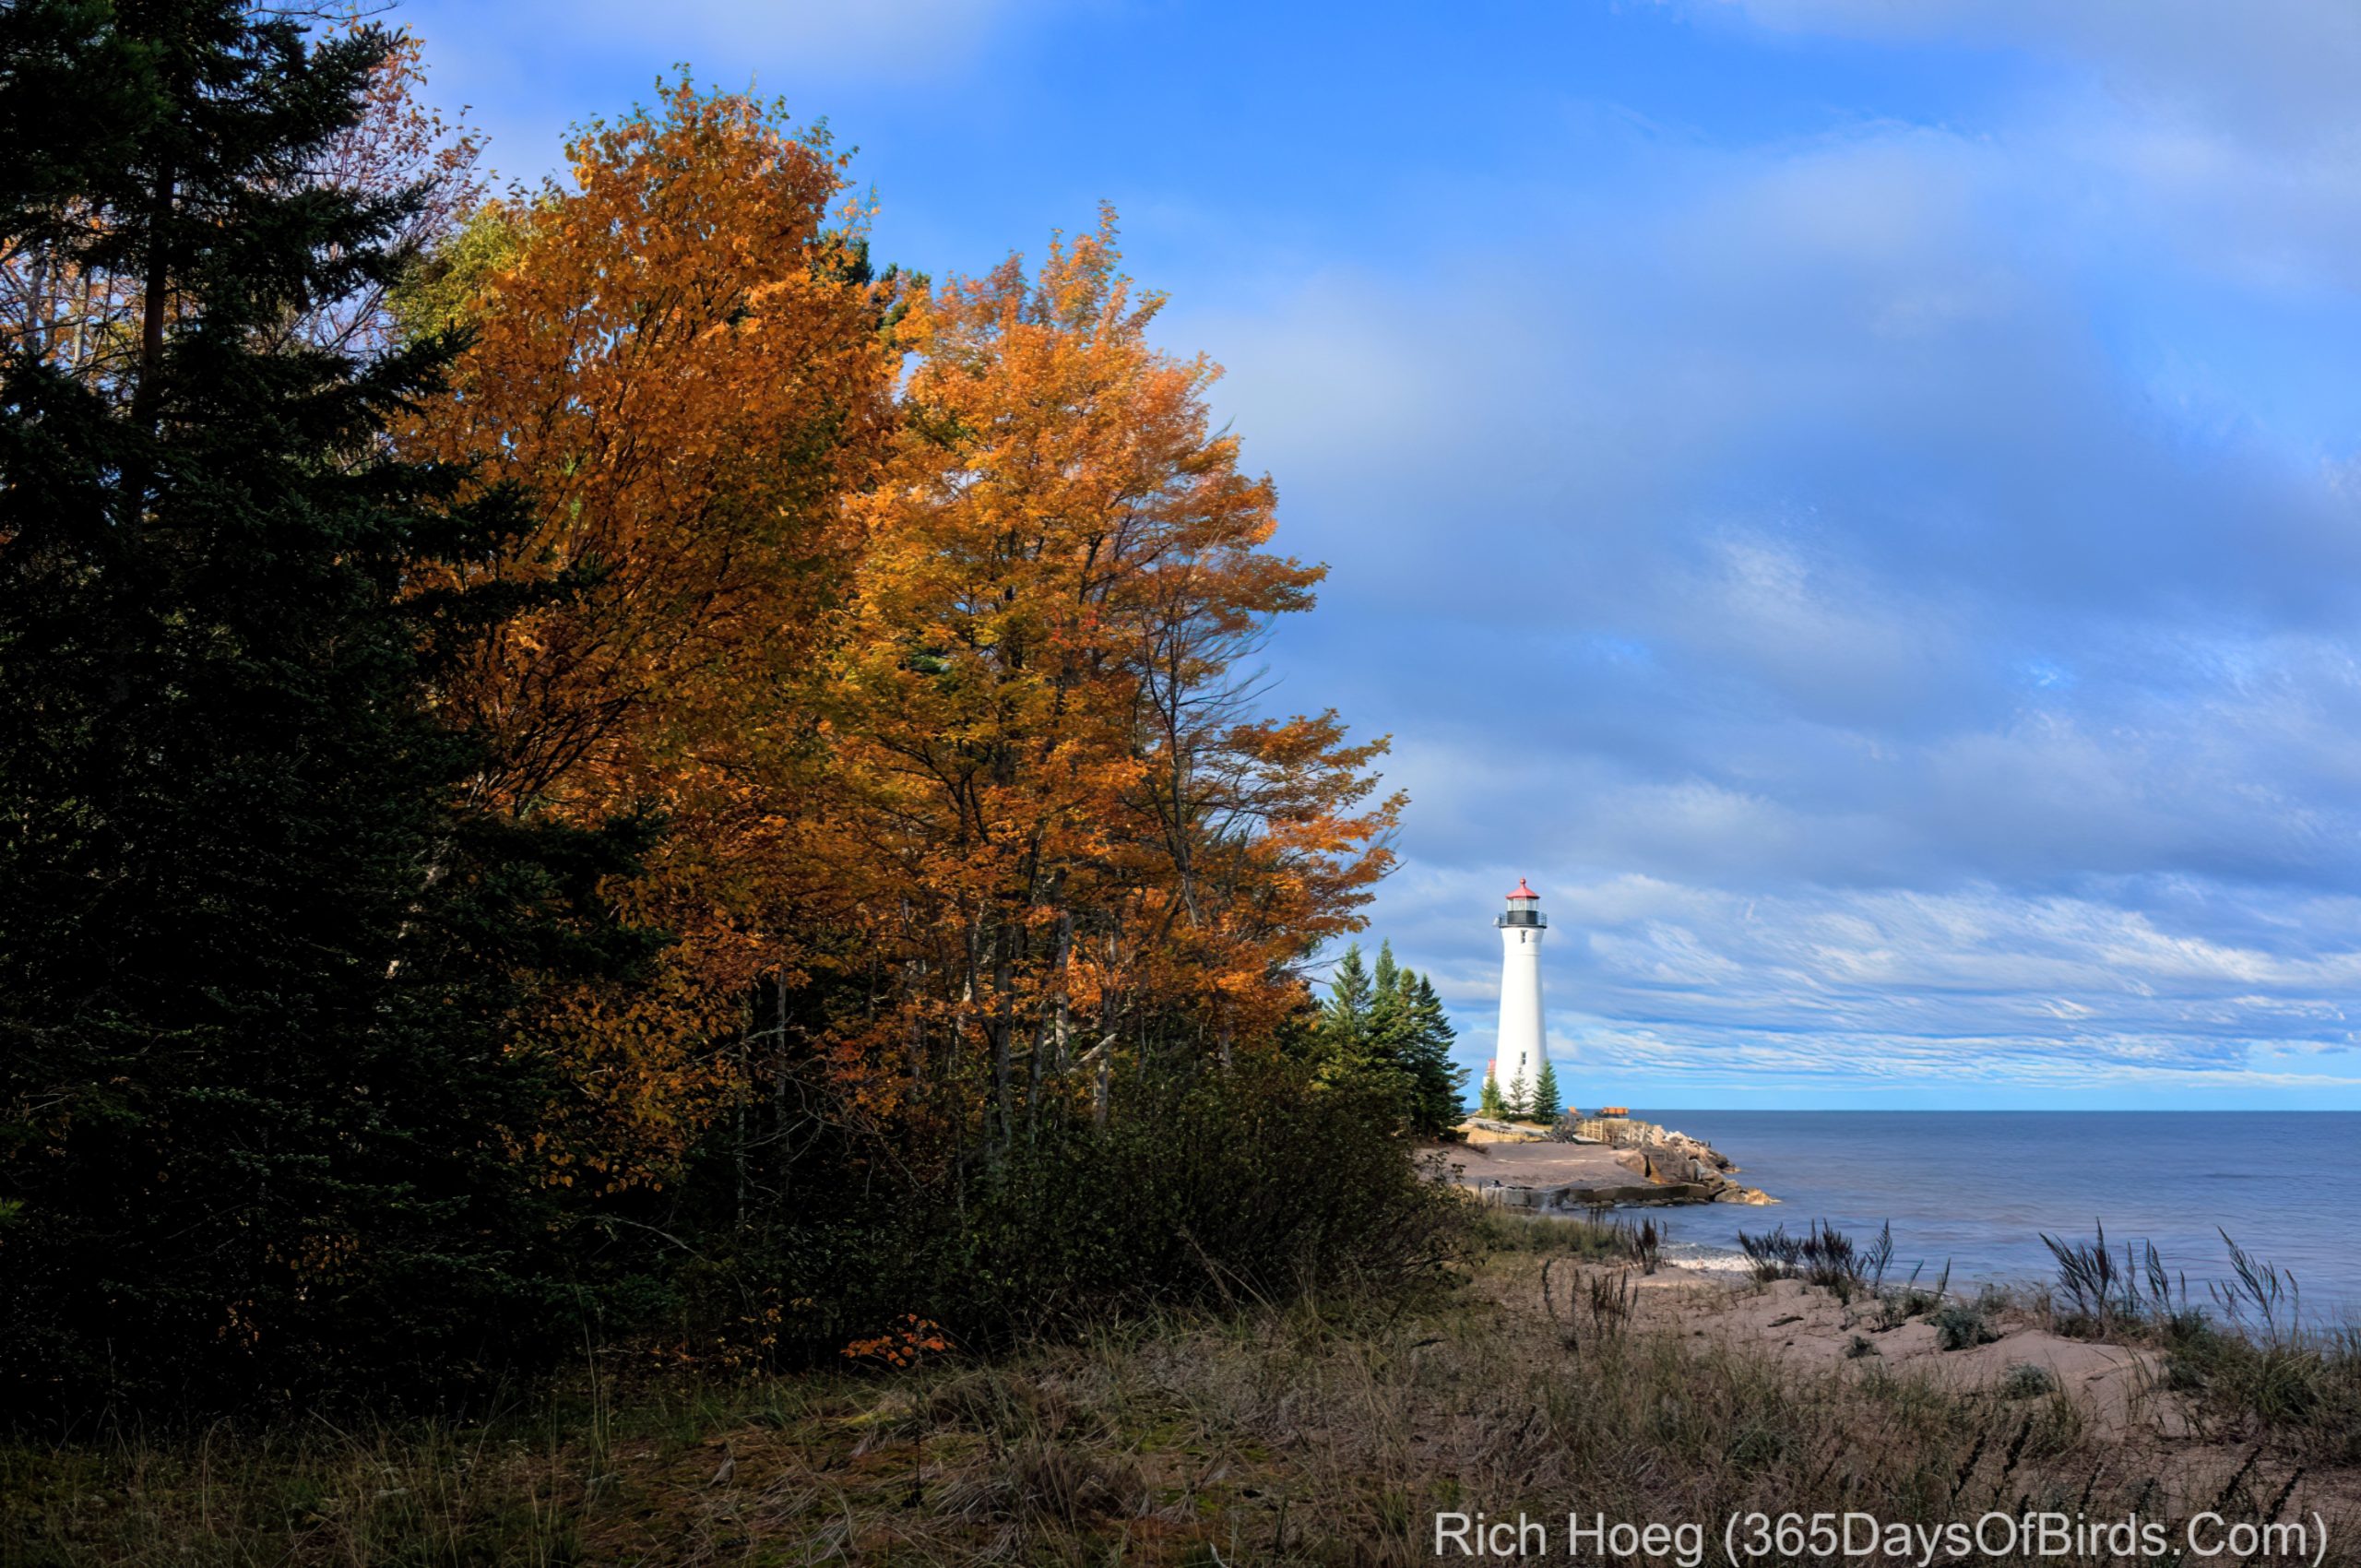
<point>1518,1056</point>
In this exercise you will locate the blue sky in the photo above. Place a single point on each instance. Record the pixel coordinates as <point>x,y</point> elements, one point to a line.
<point>1859,500</point>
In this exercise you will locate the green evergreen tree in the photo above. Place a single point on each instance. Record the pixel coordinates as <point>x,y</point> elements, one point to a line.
<point>1361,1024</point>
<point>1344,1017</point>
<point>257,970</point>
<point>1435,1081</point>
<point>1388,1026</point>
<point>1384,1027</point>
<point>1490,1101</point>
<point>1546,1106</point>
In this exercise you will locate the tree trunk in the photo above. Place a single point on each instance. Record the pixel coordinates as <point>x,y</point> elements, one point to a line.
<point>1050,1036</point>
<point>1004,1026</point>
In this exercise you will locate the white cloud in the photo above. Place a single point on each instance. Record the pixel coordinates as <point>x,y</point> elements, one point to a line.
<point>2230,130</point>
<point>528,69</point>
<point>2277,67</point>
<point>889,38</point>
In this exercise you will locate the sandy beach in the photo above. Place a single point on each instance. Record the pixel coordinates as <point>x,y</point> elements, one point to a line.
<point>1807,1328</point>
<point>1547,1165</point>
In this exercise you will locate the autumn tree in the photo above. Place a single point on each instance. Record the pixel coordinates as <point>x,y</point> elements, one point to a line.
<point>597,689</point>
<point>677,358</point>
<point>1068,840</point>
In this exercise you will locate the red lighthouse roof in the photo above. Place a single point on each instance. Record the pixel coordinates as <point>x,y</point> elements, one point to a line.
<point>1522,891</point>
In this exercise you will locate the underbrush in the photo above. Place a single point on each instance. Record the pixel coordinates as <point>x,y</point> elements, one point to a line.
<point>1598,1237</point>
<point>1247,1188</point>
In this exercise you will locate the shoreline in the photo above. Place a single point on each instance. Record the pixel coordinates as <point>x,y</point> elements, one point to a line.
<point>1976,1191</point>
<point>2210,1383</point>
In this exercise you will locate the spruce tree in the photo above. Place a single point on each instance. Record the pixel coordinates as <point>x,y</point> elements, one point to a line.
<point>1384,1027</point>
<point>259,1089</point>
<point>1347,1009</point>
<point>1387,1036</point>
<point>1435,1081</point>
<point>1343,1037</point>
<point>1546,1107</point>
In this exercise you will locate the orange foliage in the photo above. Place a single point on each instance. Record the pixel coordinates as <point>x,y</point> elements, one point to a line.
<point>902,1345</point>
<point>1061,829</point>
<point>939,700</point>
<point>679,359</point>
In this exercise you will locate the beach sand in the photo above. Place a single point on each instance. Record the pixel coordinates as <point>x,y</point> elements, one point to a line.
<point>1544,1165</point>
<point>1808,1328</point>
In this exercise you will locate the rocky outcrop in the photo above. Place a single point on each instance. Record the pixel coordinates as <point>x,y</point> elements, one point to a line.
<point>1593,1163</point>
<point>1663,1157</point>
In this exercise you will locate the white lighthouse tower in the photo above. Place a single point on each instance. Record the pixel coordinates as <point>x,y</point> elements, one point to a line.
<point>1516,1060</point>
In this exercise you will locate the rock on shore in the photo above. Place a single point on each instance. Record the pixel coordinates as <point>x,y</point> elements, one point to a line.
<point>1687,1158</point>
<point>1581,1163</point>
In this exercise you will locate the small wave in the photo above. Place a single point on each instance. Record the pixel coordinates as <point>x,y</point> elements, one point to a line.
<point>1705,1259</point>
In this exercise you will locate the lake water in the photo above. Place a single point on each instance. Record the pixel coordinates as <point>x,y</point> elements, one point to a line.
<point>1978,1188</point>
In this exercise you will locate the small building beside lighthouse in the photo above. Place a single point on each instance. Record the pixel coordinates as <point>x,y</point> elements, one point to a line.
<point>1516,1061</point>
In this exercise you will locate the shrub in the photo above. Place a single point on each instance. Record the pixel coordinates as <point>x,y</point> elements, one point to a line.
<point>2025,1381</point>
<point>1960,1326</point>
<point>1822,1256</point>
<point>1238,1185</point>
<point>1898,1307</point>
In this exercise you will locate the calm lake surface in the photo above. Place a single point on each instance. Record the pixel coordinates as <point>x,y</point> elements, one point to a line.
<point>1978,1188</point>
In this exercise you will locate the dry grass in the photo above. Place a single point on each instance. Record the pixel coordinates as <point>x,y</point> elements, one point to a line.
<point>1297,1437</point>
